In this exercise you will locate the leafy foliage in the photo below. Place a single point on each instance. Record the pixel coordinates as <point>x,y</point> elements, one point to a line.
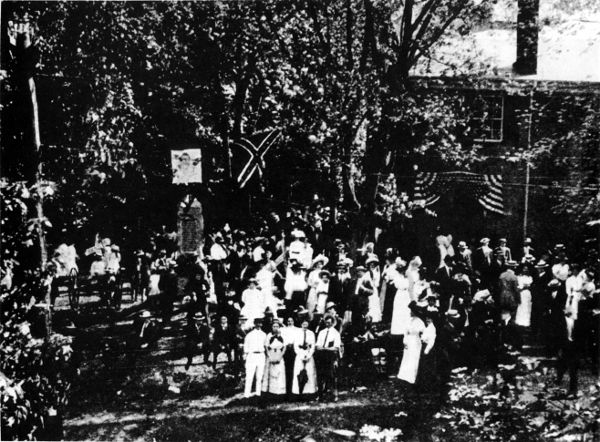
<point>520,403</point>
<point>32,371</point>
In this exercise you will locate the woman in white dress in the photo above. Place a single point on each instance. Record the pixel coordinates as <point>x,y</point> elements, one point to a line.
<point>413,345</point>
<point>274,378</point>
<point>304,346</point>
<point>253,303</point>
<point>314,279</point>
<point>322,291</point>
<point>265,277</point>
<point>524,280</point>
<point>400,312</point>
<point>412,274</point>
<point>289,333</point>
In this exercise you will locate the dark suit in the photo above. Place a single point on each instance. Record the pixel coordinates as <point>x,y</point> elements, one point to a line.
<point>508,291</point>
<point>539,301</point>
<point>466,260</point>
<point>341,292</point>
<point>443,276</point>
<point>568,351</point>
<point>482,265</point>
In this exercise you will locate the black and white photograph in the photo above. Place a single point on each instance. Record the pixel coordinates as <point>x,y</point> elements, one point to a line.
<point>300,220</point>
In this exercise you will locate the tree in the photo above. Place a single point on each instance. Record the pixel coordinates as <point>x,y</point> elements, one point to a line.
<point>134,77</point>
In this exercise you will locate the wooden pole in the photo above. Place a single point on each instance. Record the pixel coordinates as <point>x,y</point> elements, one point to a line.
<point>527,166</point>
<point>23,32</point>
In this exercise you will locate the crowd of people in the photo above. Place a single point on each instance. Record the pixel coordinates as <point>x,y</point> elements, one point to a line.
<point>290,306</point>
<point>291,310</point>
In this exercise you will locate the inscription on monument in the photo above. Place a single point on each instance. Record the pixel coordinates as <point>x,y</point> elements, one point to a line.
<point>190,227</point>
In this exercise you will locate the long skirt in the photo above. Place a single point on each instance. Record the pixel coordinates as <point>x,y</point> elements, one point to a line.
<point>274,377</point>
<point>409,367</point>
<point>311,301</point>
<point>153,284</point>
<point>374,308</point>
<point>311,384</point>
<point>289,359</point>
<point>523,317</point>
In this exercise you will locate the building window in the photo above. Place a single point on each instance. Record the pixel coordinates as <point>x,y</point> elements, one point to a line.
<point>486,118</point>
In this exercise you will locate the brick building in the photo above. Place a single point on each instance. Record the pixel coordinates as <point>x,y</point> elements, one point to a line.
<point>518,75</point>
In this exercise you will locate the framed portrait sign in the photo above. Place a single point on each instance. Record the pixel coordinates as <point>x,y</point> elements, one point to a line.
<point>186,166</point>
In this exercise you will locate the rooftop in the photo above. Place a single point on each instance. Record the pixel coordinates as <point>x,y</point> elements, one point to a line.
<point>568,48</point>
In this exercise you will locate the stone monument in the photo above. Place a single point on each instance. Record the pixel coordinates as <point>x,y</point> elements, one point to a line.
<point>190,226</point>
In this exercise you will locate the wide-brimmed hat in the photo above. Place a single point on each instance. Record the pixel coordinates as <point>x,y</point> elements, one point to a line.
<point>297,265</point>
<point>329,305</point>
<point>481,295</point>
<point>527,241</point>
<point>145,314</point>
<point>299,234</point>
<point>199,315</point>
<point>414,307</point>
<point>324,272</point>
<point>400,263</point>
<point>329,316</point>
<point>258,319</point>
<point>372,259</point>
<point>484,241</point>
<point>302,311</point>
<point>320,258</point>
<point>502,240</point>
<point>252,281</point>
<point>462,245</point>
<point>512,263</point>
<point>361,269</point>
<point>541,264</point>
<point>453,314</point>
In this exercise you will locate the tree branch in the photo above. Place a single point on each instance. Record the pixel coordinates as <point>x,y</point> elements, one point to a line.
<point>438,34</point>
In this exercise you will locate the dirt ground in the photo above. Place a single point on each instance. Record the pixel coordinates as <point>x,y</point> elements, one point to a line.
<point>159,400</point>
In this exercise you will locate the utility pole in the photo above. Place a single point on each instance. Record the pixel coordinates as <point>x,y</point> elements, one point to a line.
<point>527,166</point>
<point>25,54</point>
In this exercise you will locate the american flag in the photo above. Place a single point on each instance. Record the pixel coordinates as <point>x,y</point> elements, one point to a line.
<point>486,188</point>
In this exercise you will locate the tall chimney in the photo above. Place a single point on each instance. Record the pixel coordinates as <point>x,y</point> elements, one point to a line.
<point>527,37</point>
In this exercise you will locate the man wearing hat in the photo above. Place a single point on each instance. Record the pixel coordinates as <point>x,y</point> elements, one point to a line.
<point>464,257</point>
<point>169,287</point>
<point>328,347</point>
<point>197,338</point>
<point>359,304</point>
<point>223,341</point>
<point>504,249</point>
<point>528,250</point>
<point>508,289</point>
<point>482,262</point>
<point>145,333</point>
<point>218,252</point>
<point>238,348</point>
<point>539,297</point>
<point>443,276</point>
<point>254,354</point>
<point>340,290</point>
<point>299,250</point>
